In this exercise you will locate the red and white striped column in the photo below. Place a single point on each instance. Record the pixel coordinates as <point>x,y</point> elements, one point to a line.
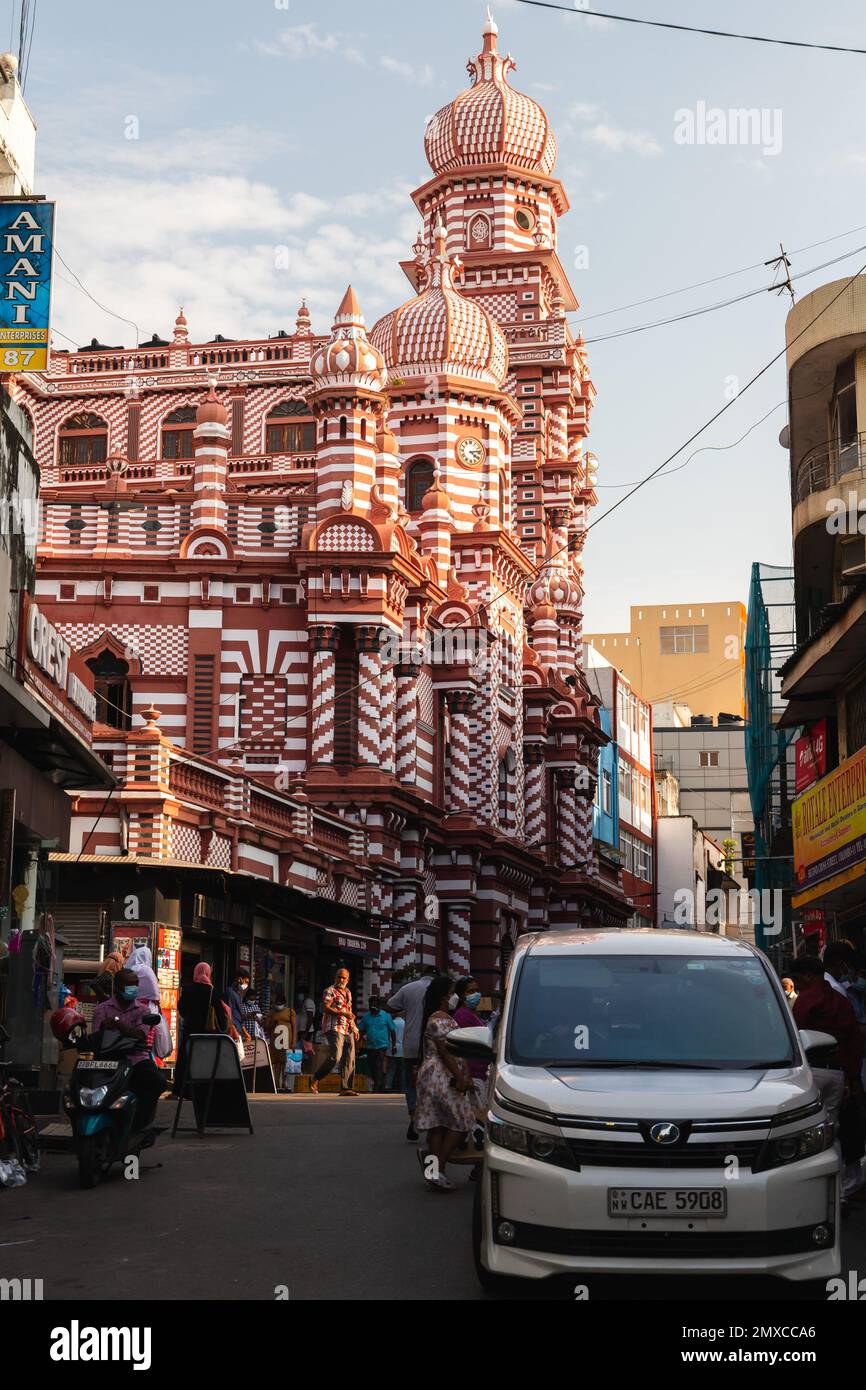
<point>533,792</point>
<point>388,715</point>
<point>566,819</point>
<point>460,704</point>
<point>325,638</point>
<point>459,939</point>
<point>368,640</point>
<point>211,444</point>
<point>406,764</point>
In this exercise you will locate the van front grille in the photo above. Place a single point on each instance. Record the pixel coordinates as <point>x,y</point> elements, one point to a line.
<point>610,1153</point>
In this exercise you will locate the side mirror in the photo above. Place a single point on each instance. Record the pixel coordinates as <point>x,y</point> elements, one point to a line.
<point>475,1043</point>
<point>818,1047</point>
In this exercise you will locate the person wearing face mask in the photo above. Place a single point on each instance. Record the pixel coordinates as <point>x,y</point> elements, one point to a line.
<point>234,998</point>
<point>123,1013</point>
<point>468,999</point>
<point>377,1028</point>
<point>444,1111</point>
<point>839,961</point>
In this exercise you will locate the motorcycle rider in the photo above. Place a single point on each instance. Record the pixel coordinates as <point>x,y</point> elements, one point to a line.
<point>124,1012</point>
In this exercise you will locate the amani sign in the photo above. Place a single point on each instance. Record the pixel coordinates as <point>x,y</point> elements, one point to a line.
<point>830,830</point>
<point>26,249</point>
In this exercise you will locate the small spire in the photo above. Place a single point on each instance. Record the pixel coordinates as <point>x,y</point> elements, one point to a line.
<point>490,32</point>
<point>181,332</point>
<point>350,309</point>
<point>302,322</point>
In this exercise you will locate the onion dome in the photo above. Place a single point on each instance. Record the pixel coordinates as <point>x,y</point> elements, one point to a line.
<point>349,356</point>
<point>441,330</point>
<point>303,326</point>
<point>211,410</point>
<point>181,331</point>
<point>490,123</point>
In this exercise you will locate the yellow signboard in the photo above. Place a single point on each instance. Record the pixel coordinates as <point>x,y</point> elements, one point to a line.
<point>829,823</point>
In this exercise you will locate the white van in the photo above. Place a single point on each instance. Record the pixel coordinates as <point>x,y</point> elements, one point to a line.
<point>652,1110</point>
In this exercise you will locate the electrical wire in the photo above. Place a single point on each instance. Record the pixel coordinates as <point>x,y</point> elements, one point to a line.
<point>720,304</point>
<point>714,280</point>
<point>690,28</point>
<point>80,284</point>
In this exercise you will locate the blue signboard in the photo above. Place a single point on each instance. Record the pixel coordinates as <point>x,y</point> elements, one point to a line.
<point>26,252</point>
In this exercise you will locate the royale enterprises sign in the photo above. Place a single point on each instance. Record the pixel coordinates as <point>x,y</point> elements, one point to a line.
<point>830,830</point>
<point>62,680</point>
<point>26,250</point>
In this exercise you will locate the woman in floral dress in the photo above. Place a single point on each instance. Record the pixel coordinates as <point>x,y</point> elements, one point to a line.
<point>444,1108</point>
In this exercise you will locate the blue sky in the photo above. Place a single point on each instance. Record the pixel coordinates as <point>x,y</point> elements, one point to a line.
<point>261,126</point>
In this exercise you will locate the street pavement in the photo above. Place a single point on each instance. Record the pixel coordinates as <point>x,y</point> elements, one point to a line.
<point>325,1200</point>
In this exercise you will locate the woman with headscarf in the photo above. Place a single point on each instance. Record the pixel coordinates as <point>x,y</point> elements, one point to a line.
<point>199,1011</point>
<point>141,962</point>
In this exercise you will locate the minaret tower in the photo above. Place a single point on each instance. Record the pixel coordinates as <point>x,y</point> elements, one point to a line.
<point>347,398</point>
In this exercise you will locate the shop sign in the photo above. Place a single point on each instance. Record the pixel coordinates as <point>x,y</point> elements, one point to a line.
<point>811,756</point>
<point>352,942</point>
<point>26,252</point>
<point>56,673</point>
<point>829,822</point>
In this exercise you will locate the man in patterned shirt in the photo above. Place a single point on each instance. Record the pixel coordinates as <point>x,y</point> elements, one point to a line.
<point>339,1027</point>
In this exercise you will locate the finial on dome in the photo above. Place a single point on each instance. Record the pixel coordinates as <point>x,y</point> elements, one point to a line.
<point>181,331</point>
<point>302,322</point>
<point>439,238</point>
<point>490,32</point>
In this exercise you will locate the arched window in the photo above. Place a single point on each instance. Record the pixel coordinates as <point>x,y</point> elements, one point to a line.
<point>419,479</point>
<point>83,440</point>
<point>177,431</point>
<point>285,433</point>
<point>112,689</point>
<point>344,427</point>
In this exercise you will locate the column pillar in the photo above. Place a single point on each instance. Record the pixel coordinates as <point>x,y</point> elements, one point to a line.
<point>325,638</point>
<point>406,763</point>
<point>566,820</point>
<point>460,703</point>
<point>368,640</point>
<point>533,792</point>
<point>388,715</point>
<point>458,942</point>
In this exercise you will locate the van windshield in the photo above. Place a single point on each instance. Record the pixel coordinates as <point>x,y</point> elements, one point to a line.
<point>668,1011</point>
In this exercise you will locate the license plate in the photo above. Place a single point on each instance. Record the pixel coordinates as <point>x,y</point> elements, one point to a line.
<point>96,1066</point>
<point>667,1201</point>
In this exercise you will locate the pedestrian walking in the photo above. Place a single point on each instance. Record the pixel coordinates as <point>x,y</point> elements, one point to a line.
<point>233,999</point>
<point>790,992</point>
<point>409,1001</point>
<point>281,1032</point>
<point>396,1061</point>
<point>822,1007</point>
<point>377,1029</point>
<point>443,1113</point>
<point>341,1033</point>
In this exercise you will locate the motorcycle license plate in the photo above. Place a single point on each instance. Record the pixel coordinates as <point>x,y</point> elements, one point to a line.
<point>667,1201</point>
<point>96,1066</point>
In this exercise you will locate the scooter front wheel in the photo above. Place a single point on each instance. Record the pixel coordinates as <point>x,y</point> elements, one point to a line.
<point>93,1158</point>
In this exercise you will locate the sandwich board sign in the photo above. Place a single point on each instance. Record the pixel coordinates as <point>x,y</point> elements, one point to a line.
<point>26,255</point>
<point>215,1082</point>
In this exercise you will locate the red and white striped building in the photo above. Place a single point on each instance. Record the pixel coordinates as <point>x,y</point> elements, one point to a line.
<point>346,568</point>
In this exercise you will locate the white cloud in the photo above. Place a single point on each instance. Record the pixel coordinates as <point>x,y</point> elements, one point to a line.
<point>612,138</point>
<point>420,76</point>
<point>305,41</point>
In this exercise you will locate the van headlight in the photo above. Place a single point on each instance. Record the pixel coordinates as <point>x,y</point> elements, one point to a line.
<point>532,1143</point>
<point>91,1097</point>
<point>791,1148</point>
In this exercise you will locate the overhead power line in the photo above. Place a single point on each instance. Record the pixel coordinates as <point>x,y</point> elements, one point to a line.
<point>690,28</point>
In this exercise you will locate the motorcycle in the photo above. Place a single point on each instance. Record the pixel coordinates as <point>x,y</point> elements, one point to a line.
<point>100,1106</point>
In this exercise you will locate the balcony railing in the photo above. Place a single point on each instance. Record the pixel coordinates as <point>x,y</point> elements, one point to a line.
<point>828,465</point>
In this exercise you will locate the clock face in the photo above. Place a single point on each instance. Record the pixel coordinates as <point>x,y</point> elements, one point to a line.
<point>470,452</point>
